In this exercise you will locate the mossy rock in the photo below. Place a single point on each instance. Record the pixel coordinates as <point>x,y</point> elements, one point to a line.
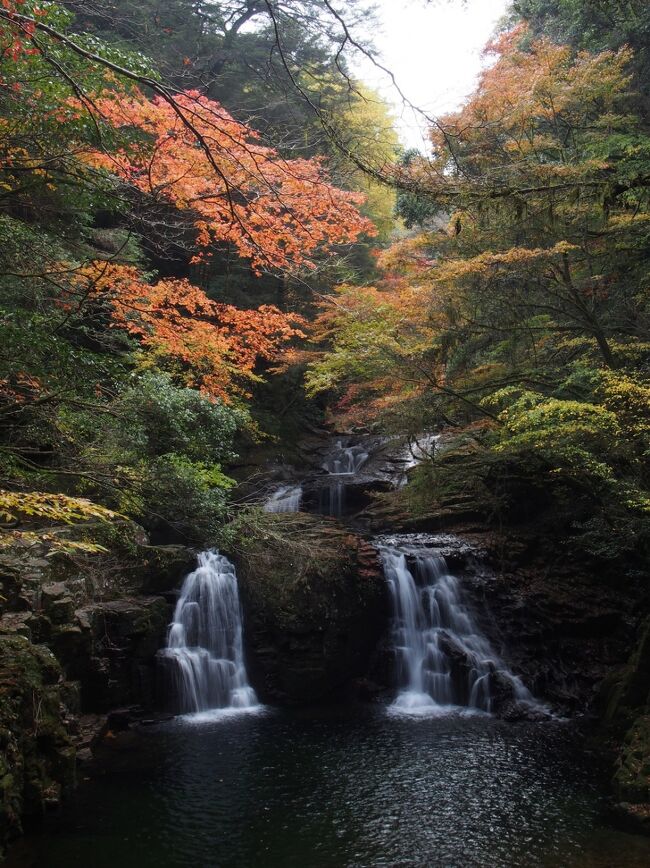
<point>37,757</point>
<point>627,691</point>
<point>315,605</point>
<point>632,776</point>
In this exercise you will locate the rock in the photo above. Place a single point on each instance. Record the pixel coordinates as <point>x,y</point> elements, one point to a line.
<point>632,774</point>
<point>161,569</point>
<point>124,638</point>
<point>633,818</point>
<point>315,604</point>
<point>61,610</point>
<point>37,755</point>
<point>119,719</point>
<point>18,623</point>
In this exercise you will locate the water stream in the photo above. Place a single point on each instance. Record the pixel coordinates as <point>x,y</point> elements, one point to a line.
<point>341,464</point>
<point>287,498</point>
<point>444,662</point>
<point>203,662</point>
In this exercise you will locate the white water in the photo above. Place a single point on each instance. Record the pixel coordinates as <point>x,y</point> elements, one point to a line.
<point>204,657</point>
<point>444,662</point>
<point>342,463</point>
<point>285,499</point>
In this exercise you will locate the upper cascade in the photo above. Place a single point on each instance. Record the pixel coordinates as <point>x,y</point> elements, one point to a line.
<point>444,662</point>
<point>204,657</point>
<point>287,498</point>
<point>345,460</point>
<point>342,463</point>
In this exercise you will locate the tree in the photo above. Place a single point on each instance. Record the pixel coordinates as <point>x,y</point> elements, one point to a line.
<point>89,164</point>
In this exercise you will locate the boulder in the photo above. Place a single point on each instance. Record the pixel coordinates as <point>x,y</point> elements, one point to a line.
<point>315,604</point>
<point>124,636</point>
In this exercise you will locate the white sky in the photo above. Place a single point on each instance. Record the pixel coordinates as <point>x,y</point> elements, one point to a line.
<point>434,51</point>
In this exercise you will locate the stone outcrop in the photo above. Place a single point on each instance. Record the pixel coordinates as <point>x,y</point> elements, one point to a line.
<point>315,605</point>
<point>625,699</point>
<point>37,753</point>
<point>78,635</point>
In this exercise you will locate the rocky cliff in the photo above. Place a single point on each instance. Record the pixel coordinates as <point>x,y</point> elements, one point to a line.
<point>78,637</point>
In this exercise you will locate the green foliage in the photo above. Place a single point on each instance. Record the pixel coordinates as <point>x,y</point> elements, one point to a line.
<point>157,453</point>
<point>593,25</point>
<point>165,419</point>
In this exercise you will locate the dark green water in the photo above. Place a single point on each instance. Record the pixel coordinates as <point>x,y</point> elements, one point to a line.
<point>337,789</point>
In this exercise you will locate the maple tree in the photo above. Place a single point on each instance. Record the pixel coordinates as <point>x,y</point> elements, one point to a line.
<point>278,213</point>
<point>213,346</point>
<point>98,157</point>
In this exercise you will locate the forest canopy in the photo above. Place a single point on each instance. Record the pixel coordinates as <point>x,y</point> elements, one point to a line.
<point>197,197</point>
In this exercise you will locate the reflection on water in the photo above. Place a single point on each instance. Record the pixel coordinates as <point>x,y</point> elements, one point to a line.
<point>306,790</point>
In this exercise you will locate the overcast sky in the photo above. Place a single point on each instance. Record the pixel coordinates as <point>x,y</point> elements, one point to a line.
<point>435,53</point>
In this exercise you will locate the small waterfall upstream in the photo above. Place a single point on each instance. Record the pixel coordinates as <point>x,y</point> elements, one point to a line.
<point>204,658</point>
<point>286,499</point>
<point>341,464</point>
<point>443,660</point>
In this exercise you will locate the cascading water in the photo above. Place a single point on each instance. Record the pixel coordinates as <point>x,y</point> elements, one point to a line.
<point>341,464</point>
<point>443,660</point>
<point>286,499</point>
<point>204,657</point>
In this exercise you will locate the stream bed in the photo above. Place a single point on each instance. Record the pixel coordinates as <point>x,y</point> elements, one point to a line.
<point>338,788</point>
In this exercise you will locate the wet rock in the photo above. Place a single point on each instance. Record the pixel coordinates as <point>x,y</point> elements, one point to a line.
<point>315,604</point>
<point>37,755</point>
<point>124,638</point>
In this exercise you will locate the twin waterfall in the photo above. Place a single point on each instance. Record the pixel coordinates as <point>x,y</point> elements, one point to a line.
<point>204,658</point>
<point>443,660</point>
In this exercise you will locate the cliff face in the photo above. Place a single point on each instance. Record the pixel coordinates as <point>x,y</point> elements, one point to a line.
<point>78,636</point>
<point>315,605</point>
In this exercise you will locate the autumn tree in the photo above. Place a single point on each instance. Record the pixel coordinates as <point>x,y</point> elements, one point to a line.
<point>520,303</point>
<point>90,165</point>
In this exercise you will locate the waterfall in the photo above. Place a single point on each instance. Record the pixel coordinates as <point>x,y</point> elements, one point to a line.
<point>285,499</point>
<point>341,464</point>
<point>204,657</point>
<point>443,661</point>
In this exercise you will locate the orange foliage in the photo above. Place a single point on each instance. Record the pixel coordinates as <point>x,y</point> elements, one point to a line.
<point>277,213</point>
<point>14,36</point>
<point>524,98</point>
<point>212,346</point>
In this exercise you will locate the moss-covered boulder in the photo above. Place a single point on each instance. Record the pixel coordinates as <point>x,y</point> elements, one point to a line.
<point>315,605</point>
<point>37,756</point>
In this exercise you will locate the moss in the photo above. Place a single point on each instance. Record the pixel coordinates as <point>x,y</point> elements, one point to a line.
<point>37,758</point>
<point>632,775</point>
<point>314,604</point>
